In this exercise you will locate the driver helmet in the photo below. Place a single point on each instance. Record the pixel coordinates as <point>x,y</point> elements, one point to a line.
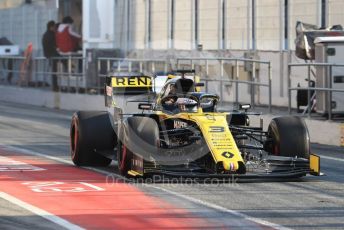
<point>186,104</point>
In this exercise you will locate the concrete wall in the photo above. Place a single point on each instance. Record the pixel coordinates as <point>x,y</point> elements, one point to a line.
<point>335,12</point>
<point>183,29</point>
<point>160,31</point>
<point>121,39</point>
<point>23,23</point>
<point>138,23</point>
<point>237,19</point>
<point>209,24</point>
<point>65,101</point>
<point>52,100</point>
<point>268,21</point>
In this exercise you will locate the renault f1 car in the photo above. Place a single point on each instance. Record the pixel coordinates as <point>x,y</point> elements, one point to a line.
<point>182,133</point>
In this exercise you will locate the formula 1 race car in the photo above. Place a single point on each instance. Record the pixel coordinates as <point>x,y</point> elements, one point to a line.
<point>182,133</point>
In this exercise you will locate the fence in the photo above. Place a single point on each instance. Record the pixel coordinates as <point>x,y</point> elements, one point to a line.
<point>41,73</point>
<point>250,65</point>
<point>132,65</point>
<point>75,75</point>
<point>329,90</point>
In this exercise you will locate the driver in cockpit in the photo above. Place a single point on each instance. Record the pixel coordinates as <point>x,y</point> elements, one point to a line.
<point>171,97</point>
<point>168,102</point>
<point>171,101</point>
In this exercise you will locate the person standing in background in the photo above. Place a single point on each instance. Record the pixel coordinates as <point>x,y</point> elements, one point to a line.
<point>50,51</point>
<point>67,40</point>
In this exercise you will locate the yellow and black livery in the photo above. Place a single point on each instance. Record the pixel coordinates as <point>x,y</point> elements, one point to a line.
<point>182,133</point>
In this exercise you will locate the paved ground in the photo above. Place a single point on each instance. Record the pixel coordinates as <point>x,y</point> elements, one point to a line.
<point>308,203</point>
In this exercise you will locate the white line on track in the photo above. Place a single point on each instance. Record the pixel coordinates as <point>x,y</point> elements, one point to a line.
<point>92,186</point>
<point>40,212</point>
<point>225,210</point>
<point>332,158</point>
<point>188,198</point>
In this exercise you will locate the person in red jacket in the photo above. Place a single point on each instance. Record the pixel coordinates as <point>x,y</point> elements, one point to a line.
<point>67,40</point>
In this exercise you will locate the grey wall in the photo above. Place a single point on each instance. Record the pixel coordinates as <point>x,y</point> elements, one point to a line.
<point>26,23</point>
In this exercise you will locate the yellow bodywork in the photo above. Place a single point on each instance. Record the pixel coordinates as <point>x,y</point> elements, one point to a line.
<point>314,164</point>
<point>217,135</point>
<point>134,173</point>
<point>213,126</point>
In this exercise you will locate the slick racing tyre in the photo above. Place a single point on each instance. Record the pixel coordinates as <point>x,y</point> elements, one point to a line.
<point>90,131</point>
<point>124,157</point>
<point>290,137</point>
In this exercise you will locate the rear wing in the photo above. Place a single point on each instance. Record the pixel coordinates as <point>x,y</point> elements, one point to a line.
<point>126,84</point>
<point>135,83</point>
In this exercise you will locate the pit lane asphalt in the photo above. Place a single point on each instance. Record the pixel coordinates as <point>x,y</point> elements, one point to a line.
<point>308,203</point>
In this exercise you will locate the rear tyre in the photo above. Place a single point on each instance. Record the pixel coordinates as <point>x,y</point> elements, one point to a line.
<point>124,157</point>
<point>91,130</point>
<point>139,136</point>
<point>290,137</point>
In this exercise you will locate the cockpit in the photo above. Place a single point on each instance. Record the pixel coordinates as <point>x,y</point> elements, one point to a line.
<point>179,95</point>
<point>176,96</point>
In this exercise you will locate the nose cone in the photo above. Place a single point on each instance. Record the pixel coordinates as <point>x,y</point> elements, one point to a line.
<point>231,166</point>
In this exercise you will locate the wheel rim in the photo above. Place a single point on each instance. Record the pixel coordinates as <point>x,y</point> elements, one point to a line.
<point>276,150</point>
<point>74,138</point>
<point>122,157</point>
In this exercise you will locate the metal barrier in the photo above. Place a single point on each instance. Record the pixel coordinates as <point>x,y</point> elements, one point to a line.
<point>10,68</point>
<point>71,71</point>
<point>329,67</point>
<point>41,73</point>
<point>253,83</point>
<point>72,76</point>
<point>132,65</point>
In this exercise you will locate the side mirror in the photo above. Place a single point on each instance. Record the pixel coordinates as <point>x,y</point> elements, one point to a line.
<point>245,107</point>
<point>145,106</point>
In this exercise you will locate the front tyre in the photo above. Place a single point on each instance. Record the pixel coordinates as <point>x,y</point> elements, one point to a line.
<point>289,137</point>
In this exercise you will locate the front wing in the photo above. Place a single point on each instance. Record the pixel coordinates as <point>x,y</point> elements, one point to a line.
<point>275,167</point>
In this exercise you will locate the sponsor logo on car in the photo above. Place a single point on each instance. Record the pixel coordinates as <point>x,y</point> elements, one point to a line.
<point>133,81</point>
<point>179,124</point>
